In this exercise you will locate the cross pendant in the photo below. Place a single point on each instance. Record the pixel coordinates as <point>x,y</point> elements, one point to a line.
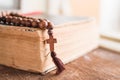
<point>51,42</point>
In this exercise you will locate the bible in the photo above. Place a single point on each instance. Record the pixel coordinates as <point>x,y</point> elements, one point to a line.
<point>25,46</point>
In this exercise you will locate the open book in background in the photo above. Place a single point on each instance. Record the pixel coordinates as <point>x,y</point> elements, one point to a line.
<point>110,39</point>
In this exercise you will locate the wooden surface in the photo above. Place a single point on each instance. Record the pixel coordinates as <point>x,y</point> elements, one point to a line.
<point>99,64</point>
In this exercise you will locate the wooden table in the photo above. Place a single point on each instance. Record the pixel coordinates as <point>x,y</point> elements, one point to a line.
<point>100,64</point>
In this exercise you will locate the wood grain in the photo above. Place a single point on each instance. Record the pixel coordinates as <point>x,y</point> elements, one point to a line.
<point>99,64</point>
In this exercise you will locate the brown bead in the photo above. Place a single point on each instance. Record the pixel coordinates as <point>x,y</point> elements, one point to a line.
<point>22,16</point>
<point>34,19</point>
<point>11,14</point>
<point>50,25</point>
<point>18,21</point>
<point>16,15</point>
<point>50,32</point>
<point>23,21</point>
<point>28,23</point>
<point>29,18</point>
<point>8,19</point>
<point>0,19</point>
<point>13,20</point>
<point>43,24</point>
<point>35,23</point>
<point>3,18</point>
<point>40,19</point>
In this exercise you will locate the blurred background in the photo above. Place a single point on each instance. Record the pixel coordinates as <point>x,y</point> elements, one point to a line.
<point>106,13</point>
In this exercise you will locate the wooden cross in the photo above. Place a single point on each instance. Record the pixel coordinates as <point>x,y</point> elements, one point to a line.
<point>51,42</point>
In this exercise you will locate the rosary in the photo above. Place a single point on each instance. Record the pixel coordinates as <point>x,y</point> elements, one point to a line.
<point>15,19</point>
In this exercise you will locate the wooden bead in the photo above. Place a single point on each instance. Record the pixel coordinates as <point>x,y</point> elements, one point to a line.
<point>50,32</point>
<point>50,25</point>
<point>28,23</point>
<point>40,19</point>
<point>11,14</point>
<point>16,15</point>
<point>8,19</point>
<point>18,21</point>
<point>0,19</point>
<point>42,24</point>
<point>13,20</point>
<point>35,23</point>
<point>23,21</point>
<point>29,18</point>
<point>3,18</point>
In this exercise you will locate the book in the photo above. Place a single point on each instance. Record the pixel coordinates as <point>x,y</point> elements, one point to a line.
<point>25,48</point>
<point>110,39</point>
<point>111,45</point>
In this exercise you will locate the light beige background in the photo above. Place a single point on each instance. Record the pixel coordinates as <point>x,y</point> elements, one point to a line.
<point>85,8</point>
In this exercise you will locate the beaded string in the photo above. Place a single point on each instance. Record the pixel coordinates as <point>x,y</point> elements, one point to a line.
<point>15,19</point>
